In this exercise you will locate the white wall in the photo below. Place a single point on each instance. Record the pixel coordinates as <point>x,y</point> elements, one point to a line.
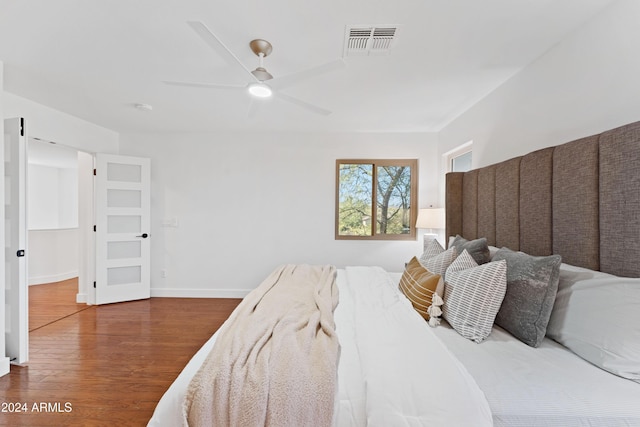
<point>52,197</point>
<point>53,255</point>
<point>42,197</point>
<point>246,203</point>
<point>586,84</point>
<point>53,125</point>
<point>52,220</point>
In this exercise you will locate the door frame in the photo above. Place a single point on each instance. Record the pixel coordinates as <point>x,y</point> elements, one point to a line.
<point>86,292</point>
<point>4,361</point>
<point>86,221</point>
<point>16,333</point>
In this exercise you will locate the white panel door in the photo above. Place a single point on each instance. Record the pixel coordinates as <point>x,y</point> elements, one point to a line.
<point>122,228</point>
<point>16,290</point>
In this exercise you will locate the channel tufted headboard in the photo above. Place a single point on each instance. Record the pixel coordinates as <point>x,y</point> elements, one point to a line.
<point>580,199</point>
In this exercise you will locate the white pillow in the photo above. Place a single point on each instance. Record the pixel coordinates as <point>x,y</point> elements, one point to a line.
<point>597,316</point>
<point>473,295</point>
<point>439,263</point>
<point>433,248</point>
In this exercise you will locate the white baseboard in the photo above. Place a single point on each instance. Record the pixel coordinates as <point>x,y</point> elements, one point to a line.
<point>199,293</point>
<point>81,298</point>
<point>52,278</point>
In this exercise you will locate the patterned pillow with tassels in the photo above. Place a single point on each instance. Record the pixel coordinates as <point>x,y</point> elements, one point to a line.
<point>421,287</point>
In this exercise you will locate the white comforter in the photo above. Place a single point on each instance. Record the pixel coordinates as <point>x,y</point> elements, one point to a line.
<point>393,370</point>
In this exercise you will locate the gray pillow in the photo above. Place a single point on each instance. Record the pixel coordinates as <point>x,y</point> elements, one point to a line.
<point>478,248</point>
<point>532,284</point>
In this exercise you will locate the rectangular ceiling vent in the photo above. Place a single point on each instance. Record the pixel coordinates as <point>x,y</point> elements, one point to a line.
<point>369,40</point>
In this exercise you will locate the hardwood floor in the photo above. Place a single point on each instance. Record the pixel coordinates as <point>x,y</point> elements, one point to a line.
<point>53,301</point>
<point>108,365</point>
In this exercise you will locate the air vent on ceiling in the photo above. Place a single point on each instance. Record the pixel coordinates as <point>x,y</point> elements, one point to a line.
<point>369,40</point>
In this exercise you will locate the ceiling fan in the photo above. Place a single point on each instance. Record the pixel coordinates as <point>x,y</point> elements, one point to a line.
<point>257,78</point>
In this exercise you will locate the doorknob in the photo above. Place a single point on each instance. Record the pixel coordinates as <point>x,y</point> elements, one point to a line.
<point>143,235</point>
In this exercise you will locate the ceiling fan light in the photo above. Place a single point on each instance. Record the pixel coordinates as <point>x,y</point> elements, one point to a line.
<point>260,90</point>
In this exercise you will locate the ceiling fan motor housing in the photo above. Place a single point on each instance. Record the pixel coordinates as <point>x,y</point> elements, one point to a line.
<point>262,49</point>
<point>261,74</point>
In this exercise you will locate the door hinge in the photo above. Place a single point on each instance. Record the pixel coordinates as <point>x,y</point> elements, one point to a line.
<point>94,228</point>
<point>94,172</point>
<point>94,284</point>
<point>21,126</point>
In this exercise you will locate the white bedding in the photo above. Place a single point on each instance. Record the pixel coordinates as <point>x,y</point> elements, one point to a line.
<point>393,370</point>
<point>544,386</point>
<point>380,382</point>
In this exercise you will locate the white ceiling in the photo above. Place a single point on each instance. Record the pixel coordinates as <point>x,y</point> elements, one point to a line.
<point>96,59</point>
<point>45,153</point>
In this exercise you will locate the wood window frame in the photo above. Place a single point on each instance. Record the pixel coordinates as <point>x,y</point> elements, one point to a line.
<point>413,209</point>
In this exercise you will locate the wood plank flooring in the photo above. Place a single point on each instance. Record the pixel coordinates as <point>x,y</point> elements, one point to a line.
<point>108,365</point>
<point>53,301</point>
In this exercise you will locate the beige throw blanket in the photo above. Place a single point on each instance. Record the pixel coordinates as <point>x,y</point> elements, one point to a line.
<point>275,360</point>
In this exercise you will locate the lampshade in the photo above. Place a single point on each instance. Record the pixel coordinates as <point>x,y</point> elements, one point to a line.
<point>431,218</point>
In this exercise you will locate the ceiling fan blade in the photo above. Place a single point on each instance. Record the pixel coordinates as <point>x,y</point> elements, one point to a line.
<point>286,81</point>
<point>205,85</point>
<point>216,44</point>
<point>254,106</point>
<point>300,103</point>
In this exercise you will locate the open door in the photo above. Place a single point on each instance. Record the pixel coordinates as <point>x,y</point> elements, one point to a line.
<point>122,194</point>
<point>16,290</point>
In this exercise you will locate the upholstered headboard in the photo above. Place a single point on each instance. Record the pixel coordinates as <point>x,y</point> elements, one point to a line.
<point>580,199</point>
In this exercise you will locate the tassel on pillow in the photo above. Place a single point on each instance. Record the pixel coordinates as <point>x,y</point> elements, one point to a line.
<point>436,300</point>
<point>434,321</point>
<point>434,310</point>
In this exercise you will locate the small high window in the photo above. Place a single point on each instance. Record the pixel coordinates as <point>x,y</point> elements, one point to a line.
<point>461,163</point>
<point>376,199</point>
<point>459,159</point>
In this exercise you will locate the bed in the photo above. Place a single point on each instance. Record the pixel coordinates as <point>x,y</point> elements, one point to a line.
<point>571,212</point>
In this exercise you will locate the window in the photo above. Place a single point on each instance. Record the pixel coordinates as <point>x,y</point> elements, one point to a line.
<point>376,199</point>
<point>459,159</point>
<point>461,163</point>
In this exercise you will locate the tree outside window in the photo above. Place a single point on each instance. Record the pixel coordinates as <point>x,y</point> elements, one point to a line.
<point>376,199</point>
